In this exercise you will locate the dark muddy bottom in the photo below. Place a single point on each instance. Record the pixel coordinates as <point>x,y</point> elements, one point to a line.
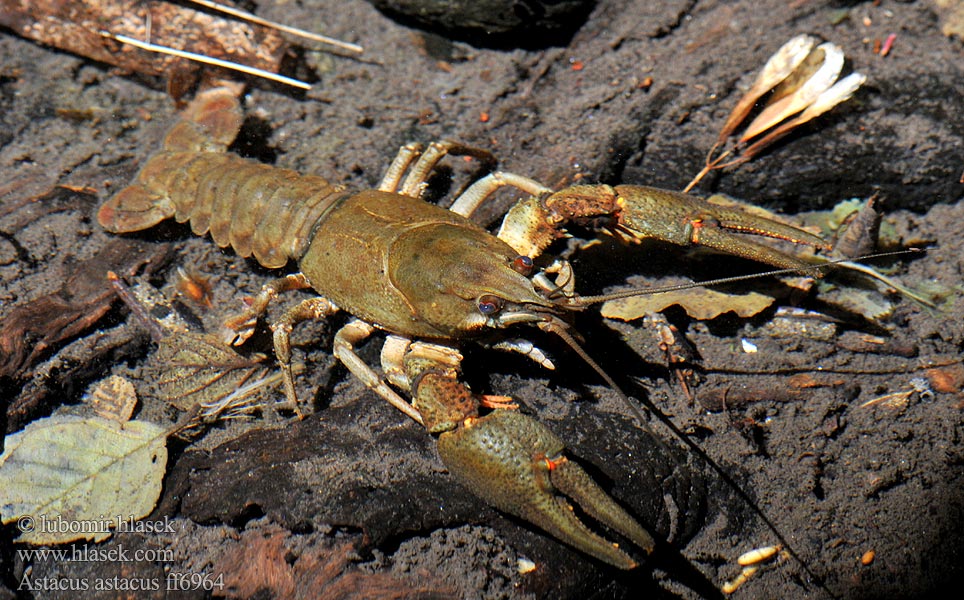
<point>353,501</point>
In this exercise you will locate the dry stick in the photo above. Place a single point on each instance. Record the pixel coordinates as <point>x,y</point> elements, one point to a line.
<point>711,164</point>
<point>136,307</point>
<point>834,370</point>
<point>714,164</point>
<point>246,16</point>
<point>206,60</point>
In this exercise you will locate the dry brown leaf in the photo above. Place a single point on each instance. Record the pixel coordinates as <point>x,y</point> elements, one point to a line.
<point>781,64</point>
<point>699,303</point>
<point>839,92</point>
<point>949,379</point>
<point>800,81</point>
<point>114,398</point>
<point>811,79</point>
<point>951,16</point>
<point>191,369</point>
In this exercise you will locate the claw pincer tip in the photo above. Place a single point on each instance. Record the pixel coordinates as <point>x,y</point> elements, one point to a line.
<point>517,465</point>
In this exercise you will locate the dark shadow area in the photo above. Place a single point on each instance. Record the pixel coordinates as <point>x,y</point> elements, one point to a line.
<point>496,24</point>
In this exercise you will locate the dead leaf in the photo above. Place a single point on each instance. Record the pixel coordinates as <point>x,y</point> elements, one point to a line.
<point>699,303</point>
<point>783,62</point>
<point>951,16</point>
<point>85,473</point>
<point>868,304</point>
<point>839,92</point>
<point>862,232</point>
<point>800,80</point>
<point>949,379</point>
<point>191,369</point>
<point>811,78</point>
<point>114,398</point>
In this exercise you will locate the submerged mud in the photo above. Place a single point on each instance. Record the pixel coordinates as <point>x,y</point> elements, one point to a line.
<point>636,95</point>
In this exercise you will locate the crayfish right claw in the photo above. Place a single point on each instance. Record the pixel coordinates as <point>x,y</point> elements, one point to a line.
<point>516,464</point>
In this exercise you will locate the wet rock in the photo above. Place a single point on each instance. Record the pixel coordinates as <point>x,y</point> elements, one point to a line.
<point>509,23</point>
<point>362,467</point>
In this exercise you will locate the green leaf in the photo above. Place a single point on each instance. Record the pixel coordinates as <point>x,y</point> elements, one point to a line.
<point>78,474</point>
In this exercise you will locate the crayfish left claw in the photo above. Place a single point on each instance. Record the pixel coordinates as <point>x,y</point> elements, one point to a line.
<point>637,212</point>
<point>516,464</point>
<point>688,220</point>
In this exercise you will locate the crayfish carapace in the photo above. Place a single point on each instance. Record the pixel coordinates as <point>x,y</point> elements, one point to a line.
<point>430,278</point>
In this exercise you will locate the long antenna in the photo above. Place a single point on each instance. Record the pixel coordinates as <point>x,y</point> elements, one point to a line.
<point>846,263</point>
<point>559,327</point>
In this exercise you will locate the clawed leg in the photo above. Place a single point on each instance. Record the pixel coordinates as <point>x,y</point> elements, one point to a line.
<point>682,219</point>
<point>479,191</point>
<point>415,182</point>
<point>353,333</point>
<point>516,464</point>
<point>239,328</point>
<point>407,154</point>
<point>510,460</point>
<point>634,213</point>
<point>419,173</point>
<point>309,309</point>
<point>425,161</point>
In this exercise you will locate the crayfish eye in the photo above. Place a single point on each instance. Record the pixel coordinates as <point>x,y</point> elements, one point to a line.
<point>522,264</point>
<point>489,304</point>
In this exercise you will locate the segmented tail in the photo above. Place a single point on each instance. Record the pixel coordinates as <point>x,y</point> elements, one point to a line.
<point>209,124</point>
<point>255,208</point>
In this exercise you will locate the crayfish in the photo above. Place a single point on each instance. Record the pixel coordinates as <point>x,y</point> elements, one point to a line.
<point>431,279</point>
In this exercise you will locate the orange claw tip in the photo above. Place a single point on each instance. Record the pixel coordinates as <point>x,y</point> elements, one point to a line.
<point>500,402</point>
<point>503,458</point>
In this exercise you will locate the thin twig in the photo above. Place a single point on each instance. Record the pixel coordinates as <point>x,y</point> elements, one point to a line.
<point>246,16</point>
<point>208,60</point>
